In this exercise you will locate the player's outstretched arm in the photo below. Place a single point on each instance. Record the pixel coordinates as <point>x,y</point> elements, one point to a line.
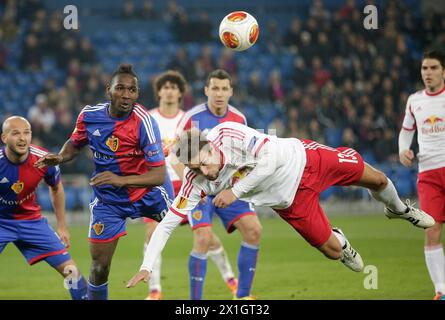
<point>68,152</point>
<point>406,155</point>
<point>57,195</point>
<point>142,275</point>
<point>155,177</point>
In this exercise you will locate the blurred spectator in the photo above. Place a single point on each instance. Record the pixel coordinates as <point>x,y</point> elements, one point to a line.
<point>129,10</point>
<point>182,63</point>
<point>149,10</point>
<point>41,116</point>
<point>32,55</point>
<point>228,62</point>
<point>275,88</point>
<point>3,53</point>
<point>320,75</point>
<point>86,53</point>
<point>8,27</point>
<point>255,87</point>
<point>293,34</point>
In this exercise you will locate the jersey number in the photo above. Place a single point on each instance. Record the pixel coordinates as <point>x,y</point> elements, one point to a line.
<point>346,158</point>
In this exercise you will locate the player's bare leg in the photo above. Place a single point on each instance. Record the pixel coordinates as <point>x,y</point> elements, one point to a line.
<point>434,258</point>
<point>101,255</point>
<point>382,189</point>
<point>74,280</point>
<point>219,257</point>
<point>338,247</point>
<point>250,229</point>
<point>154,284</point>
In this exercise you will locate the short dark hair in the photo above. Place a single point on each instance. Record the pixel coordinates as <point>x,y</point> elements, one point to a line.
<point>435,54</point>
<point>172,77</point>
<point>188,145</point>
<point>124,69</point>
<point>219,74</point>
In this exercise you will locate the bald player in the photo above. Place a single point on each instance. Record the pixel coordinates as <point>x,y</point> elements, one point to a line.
<point>21,220</point>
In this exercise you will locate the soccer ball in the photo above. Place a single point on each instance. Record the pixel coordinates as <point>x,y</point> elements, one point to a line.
<point>238,30</point>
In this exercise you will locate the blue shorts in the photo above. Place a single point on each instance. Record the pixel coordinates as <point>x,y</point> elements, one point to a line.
<point>107,221</point>
<point>203,213</point>
<point>35,239</point>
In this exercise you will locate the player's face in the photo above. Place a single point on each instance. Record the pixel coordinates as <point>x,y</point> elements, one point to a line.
<point>123,93</point>
<point>218,92</point>
<point>432,74</point>
<point>207,164</point>
<point>18,137</point>
<point>169,93</point>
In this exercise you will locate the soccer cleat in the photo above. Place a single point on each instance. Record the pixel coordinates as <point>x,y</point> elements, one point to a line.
<point>439,296</point>
<point>232,284</point>
<point>416,216</point>
<point>350,257</point>
<point>154,295</point>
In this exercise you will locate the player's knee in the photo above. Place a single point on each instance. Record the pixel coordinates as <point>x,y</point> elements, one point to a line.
<point>380,181</point>
<point>433,236</point>
<point>100,269</point>
<point>252,233</point>
<point>203,238</point>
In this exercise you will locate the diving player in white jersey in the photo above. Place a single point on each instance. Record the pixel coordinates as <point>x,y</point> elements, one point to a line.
<point>425,112</point>
<point>237,162</point>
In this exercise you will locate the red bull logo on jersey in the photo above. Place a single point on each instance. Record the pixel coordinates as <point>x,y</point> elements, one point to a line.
<point>113,143</point>
<point>433,124</point>
<point>18,187</point>
<point>182,203</point>
<point>197,215</point>
<point>98,228</point>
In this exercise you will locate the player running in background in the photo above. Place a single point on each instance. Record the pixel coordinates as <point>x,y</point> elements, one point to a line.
<point>21,220</point>
<point>425,112</point>
<point>240,215</point>
<point>130,178</point>
<point>236,162</point>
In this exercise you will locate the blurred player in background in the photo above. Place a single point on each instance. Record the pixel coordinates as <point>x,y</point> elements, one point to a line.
<point>237,162</point>
<point>425,112</point>
<point>130,178</point>
<point>240,215</point>
<point>21,220</point>
<point>169,88</point>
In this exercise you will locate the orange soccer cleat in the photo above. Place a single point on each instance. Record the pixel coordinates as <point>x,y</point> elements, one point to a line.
<point>232,284</point>
<point>154,295</point>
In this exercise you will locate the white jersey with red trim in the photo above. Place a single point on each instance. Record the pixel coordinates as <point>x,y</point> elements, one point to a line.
<point>260,169</point>
<point>426,113</point>
<point>167,127</point>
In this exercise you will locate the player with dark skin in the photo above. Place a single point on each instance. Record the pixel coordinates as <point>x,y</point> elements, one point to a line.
<point>123,92</point>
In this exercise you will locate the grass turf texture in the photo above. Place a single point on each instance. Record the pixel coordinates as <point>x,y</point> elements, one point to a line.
<point>288,268</point>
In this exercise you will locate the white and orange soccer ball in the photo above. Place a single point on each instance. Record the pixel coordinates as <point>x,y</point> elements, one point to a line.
<point>238,30</point>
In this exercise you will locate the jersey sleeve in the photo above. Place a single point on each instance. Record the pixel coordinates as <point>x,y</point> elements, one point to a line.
<point>189,195</point>
<point>52,176</point>
<point>184,124</point>
<point>409,121</point>
<point>79,136</point>
<point>151,143</point>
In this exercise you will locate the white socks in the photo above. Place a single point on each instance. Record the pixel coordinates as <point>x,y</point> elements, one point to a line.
<point>390,198</point>
<point>219,257</point>
<point>435,262</point>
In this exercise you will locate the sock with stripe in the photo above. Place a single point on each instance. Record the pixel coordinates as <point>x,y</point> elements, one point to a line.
<point>99,292</point>
<point>197,271</point>
<point>247,258</point>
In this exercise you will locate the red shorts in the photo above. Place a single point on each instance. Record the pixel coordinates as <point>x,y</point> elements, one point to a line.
<point>325,167</point>
<point>176,187</point>
<point>431,190</point>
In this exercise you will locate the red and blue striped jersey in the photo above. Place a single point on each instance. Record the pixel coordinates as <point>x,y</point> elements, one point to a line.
<point>202,118</point>
<point>124,146</point>
<point>18,184</point>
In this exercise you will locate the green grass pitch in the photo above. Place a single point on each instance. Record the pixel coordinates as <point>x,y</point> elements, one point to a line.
<point>288,268</point>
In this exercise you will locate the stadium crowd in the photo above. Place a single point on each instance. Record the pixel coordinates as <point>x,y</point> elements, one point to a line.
<point>346,85</point>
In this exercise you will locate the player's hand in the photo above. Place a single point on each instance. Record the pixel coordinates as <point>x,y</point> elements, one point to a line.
<point>203,200</point>
<point>107,177</point>
<point>407,157</point>
<point>142,275</point>
<point>224,199</point>
<point>50,159</point>
<point>64,235</point>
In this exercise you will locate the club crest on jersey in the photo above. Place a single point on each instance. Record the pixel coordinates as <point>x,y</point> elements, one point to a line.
<point>18,187</point>
<point>182,203</point>
<point>197,215</point>
<point>240,174</point>
<point>98,228</point>
<point>113,143</point>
